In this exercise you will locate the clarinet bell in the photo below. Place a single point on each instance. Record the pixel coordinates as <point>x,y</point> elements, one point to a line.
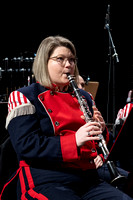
<point>118,180</point>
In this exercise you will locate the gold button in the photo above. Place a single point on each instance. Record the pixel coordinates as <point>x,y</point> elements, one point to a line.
<point>57,123</point>
<point>41,97</point>
<point>49,110</point>
<point>91,161</point>
<point>93,150</point>
<point>52,93</point>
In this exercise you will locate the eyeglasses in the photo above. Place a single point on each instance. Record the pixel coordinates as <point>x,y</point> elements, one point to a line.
<point>62,60</point>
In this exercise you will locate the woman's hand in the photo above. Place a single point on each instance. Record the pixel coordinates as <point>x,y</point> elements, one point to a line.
<point>98,117</point>
<point>87,132</point>
<point>98,161</point>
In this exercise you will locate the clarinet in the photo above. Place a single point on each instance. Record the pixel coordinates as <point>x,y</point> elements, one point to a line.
<point>117,178</point>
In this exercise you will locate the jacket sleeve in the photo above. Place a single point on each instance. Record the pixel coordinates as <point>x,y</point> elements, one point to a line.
<point>26,136</point>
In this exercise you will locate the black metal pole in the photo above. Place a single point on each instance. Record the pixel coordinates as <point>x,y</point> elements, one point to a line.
<point>111,64</point>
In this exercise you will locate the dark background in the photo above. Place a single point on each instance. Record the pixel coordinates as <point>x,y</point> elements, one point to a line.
<point>23,26</point>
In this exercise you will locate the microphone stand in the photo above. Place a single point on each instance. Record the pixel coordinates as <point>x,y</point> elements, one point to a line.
<point>111,64</point>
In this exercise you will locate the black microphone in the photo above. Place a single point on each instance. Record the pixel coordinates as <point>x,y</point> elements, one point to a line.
<point>107,18</point>
<point>108,9</point>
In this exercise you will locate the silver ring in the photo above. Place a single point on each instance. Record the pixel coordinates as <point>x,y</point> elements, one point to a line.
<point>89,134</point>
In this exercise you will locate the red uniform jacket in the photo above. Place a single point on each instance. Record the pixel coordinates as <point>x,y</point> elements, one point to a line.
<point>42,124</point>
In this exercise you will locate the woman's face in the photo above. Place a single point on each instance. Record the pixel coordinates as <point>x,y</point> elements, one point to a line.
<point>61,62</point>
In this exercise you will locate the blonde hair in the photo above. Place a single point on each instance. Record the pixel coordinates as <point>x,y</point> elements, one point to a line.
<point>46,48</point>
